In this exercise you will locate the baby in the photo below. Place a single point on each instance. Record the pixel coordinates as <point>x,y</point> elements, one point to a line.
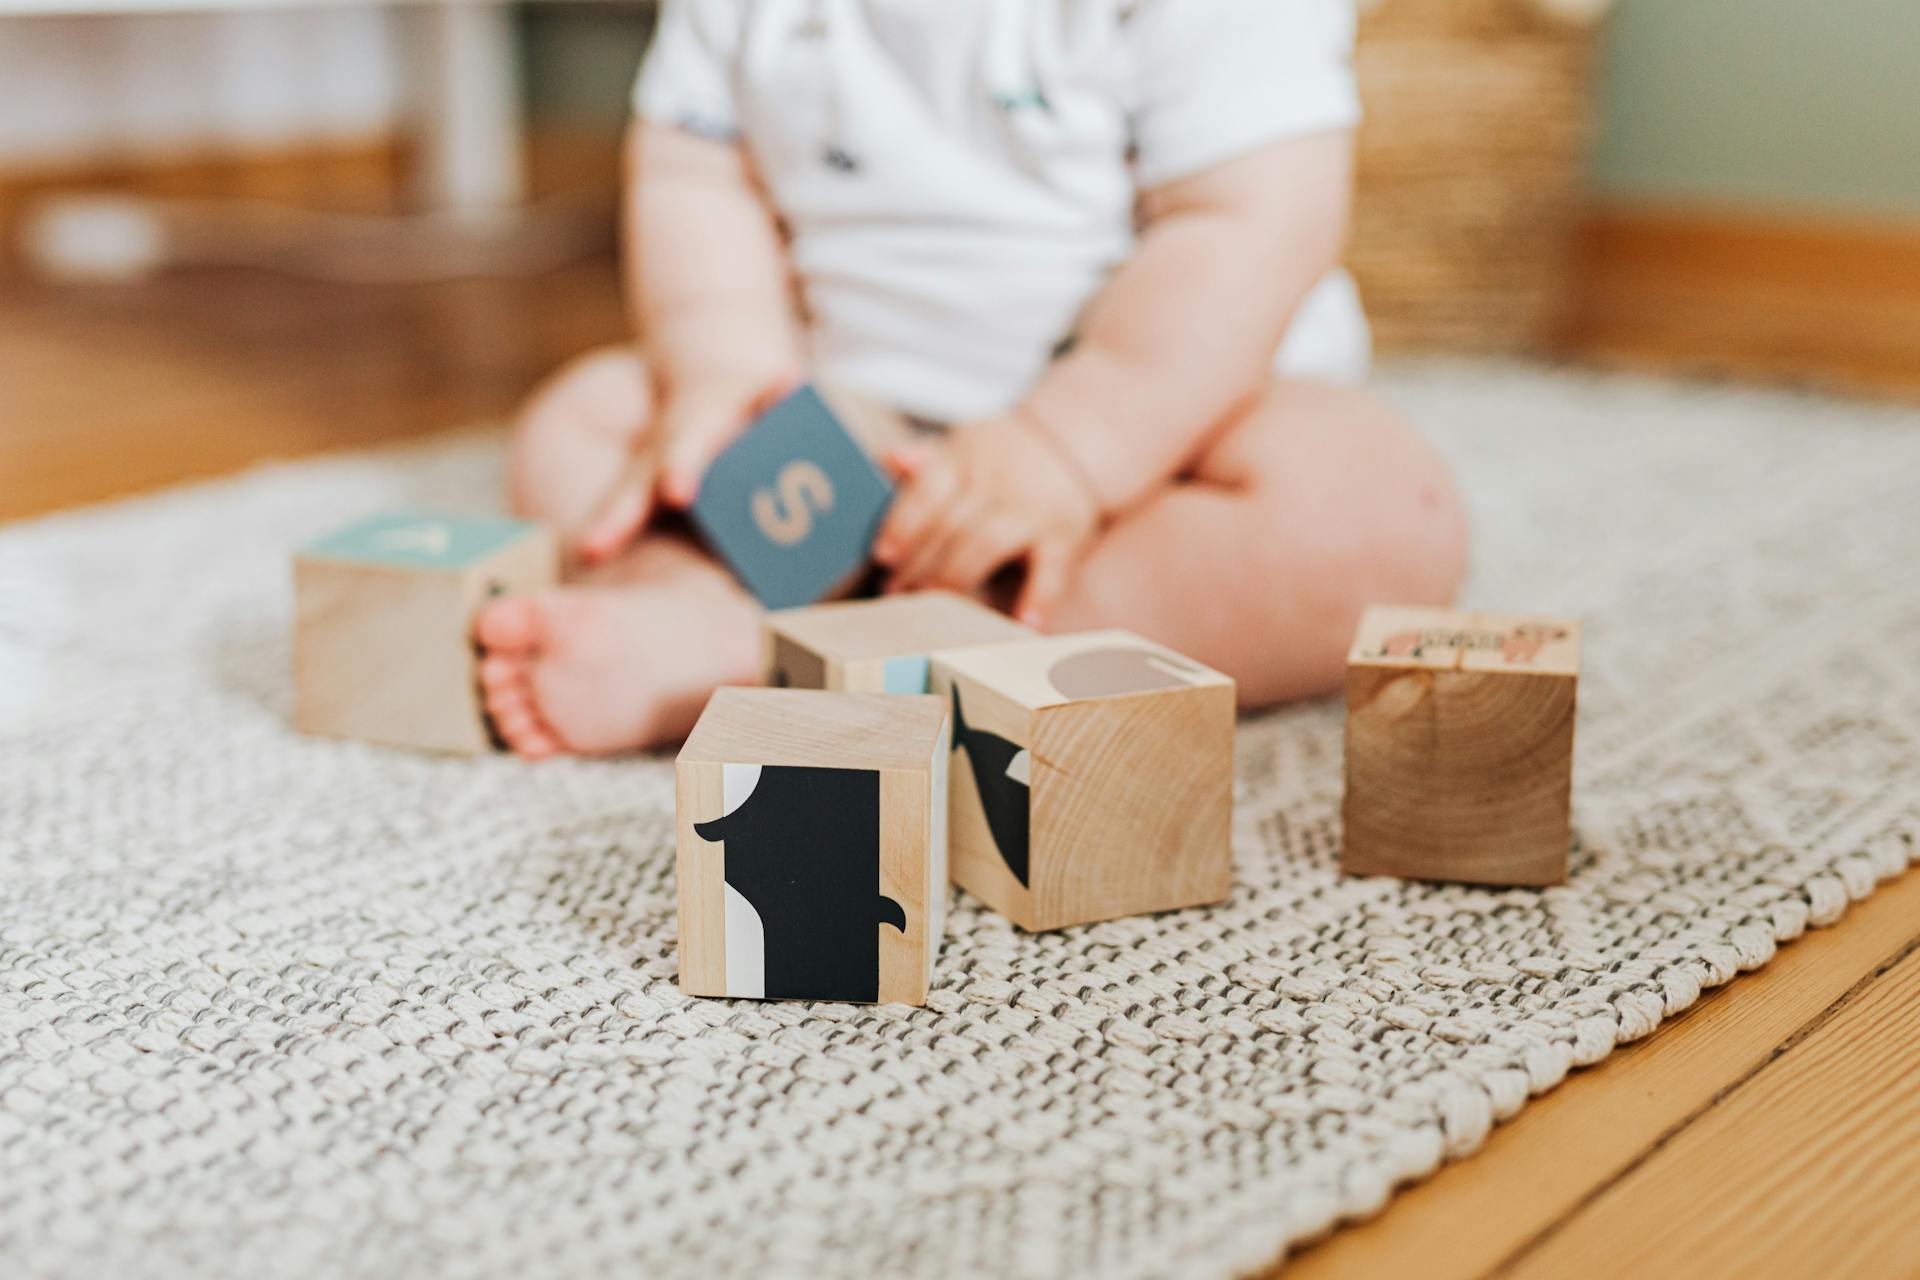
<point>1097,238</point>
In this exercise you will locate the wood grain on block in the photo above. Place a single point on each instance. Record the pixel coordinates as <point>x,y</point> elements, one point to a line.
<point>787,664</point>
<point>701,879</point>
<point>876,646</point>
<point>1459,750</point>
<point>812,845</point>
<point>909,831</point>
<point>1093,777</point>
<point>384,610</point>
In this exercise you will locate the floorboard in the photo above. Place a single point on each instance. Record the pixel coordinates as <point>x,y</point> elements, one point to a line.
<point>1807,1168</point>
<point>1565,1148</point>
<point>114,389</point>
<point>1817,301</point>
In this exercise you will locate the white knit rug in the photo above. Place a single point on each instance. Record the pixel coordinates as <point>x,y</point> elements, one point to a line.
<point>276,1007</point>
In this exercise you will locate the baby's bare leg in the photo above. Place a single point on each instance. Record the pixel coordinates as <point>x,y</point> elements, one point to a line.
<point>575,438</point>
<point>1313,503</point>
<point>623,656</point>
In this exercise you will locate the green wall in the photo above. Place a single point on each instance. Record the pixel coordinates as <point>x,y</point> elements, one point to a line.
<point>1788,104</point>
<point>578,60</point>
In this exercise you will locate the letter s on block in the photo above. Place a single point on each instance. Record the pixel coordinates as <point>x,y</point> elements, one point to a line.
<point>787,517</point>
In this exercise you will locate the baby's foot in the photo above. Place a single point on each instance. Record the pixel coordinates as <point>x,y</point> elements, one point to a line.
<point>599,669</point>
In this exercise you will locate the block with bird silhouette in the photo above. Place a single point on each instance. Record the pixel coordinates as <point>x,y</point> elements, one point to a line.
<point>1459,749</point>
<point>382,647</point>
<point>875,646</point>
<point>1093,776</point>
<point>811,832</point>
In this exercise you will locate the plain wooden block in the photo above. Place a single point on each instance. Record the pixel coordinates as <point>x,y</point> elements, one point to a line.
<point>812,845</point>
<point>1460,746</point>
<point>1093,777</point>
<point>875,646</point>
<point>382,651</point>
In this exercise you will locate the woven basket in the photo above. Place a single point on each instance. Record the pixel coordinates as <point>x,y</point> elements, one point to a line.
<point>1472,166</point>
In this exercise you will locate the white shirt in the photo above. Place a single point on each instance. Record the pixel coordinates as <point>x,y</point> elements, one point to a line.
<point>959,176</point>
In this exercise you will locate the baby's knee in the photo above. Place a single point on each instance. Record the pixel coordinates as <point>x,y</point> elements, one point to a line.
<point>1424,524</point>
<point>1354,502</point>
<point>604,393</point>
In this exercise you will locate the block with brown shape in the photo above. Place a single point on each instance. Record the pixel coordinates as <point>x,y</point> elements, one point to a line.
<point>1093,777</point>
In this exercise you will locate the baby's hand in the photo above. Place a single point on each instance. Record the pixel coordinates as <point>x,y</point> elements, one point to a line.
<point>694,420</point>
<point>992,493</point>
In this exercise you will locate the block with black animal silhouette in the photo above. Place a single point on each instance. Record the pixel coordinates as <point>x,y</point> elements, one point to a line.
<point>811,834</point>
<point>1459,746</point>
<point>382,648</point>
<point>875,646</point>
<point>1093,777</point>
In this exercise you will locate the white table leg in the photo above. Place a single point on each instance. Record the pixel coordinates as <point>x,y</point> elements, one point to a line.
<point>470,110</point>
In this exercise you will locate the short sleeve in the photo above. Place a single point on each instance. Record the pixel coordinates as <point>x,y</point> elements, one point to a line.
<point>1212,79</point>
<point>686,79</point>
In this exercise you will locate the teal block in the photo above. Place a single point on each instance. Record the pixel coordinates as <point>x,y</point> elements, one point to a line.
<point>421,539</point>
<point>794,504</point>
<point>906,675</point>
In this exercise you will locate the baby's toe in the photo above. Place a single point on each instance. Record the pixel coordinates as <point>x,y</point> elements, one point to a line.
<point>525,733</point>
<point>515,626</point>
<point>516,723</point>
<point>508,701</point>
<point>537,743</point>
<point>502,676</point>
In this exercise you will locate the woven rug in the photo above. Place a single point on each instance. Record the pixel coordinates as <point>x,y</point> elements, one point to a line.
<point>279,1007</point>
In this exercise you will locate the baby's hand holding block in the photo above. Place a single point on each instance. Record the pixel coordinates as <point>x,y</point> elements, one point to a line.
<point>793,505</point>
<point>875,646</point>
<point>811,830</point>
<point>382,650</point>
<point>1097,779</point>
<point>1460,746</point>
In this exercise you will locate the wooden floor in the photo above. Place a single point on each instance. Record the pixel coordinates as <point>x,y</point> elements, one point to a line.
<point>1773,1130</point>
<point>110,390</point>
<point>1822,301</point>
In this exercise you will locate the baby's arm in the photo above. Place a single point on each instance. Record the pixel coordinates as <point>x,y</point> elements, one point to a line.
<point>1185,331</point>
<point>1188,327</point>
<point>707,281</point>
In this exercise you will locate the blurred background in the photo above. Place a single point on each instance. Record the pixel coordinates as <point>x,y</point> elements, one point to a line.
<point>238,229</point>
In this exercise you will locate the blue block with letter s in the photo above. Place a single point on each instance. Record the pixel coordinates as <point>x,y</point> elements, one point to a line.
<point>793,505</point>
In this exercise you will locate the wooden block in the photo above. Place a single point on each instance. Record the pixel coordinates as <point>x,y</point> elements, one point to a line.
<point>1460,746</point>
<point>812,842</point>
<point>875,646</point>
<point>382,650</point>
<point>793,505</point>
<point>1093,777</point>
